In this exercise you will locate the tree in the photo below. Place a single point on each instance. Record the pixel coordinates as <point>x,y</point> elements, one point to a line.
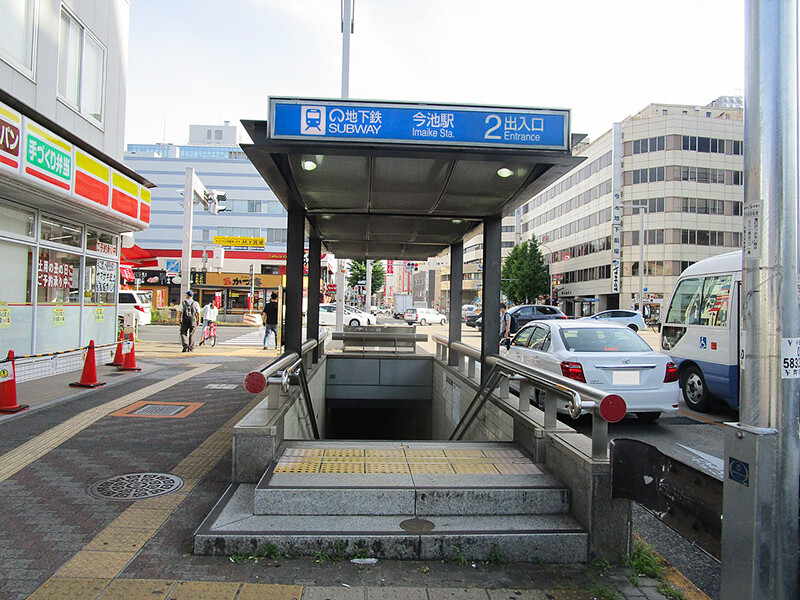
<point>358,272</point>
<point>524,275</point>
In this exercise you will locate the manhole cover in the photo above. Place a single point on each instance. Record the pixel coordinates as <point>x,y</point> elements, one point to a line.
<point>136,486</point>
<point>417,525</point>
<point>160,410</point>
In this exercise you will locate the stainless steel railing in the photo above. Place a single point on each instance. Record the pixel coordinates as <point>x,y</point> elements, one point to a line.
<point>578,398</point>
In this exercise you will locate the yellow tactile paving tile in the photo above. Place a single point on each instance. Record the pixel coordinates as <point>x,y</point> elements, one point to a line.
<point>169,501</point>
<point>387,468</point>
<point>297,467</point>
<point>141,518</point>
<point>263,591</point>
<point>420,453</point>
<point>332,452</point>
<point>204,590</point>
<point>385,453</point>
<point>450,453</point>
<point>146,589</point>
<point>342,468</point>
<point>440,468</point>
<point>474,468</point>
<point>69,589</point>
<point>113,539</point>
<point>88,564</point>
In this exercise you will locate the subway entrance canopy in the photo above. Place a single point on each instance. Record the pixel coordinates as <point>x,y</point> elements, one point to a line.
<point>390,180</point>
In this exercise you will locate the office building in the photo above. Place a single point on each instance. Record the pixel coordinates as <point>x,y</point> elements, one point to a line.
<point>64,194</point>
<point>673,171</point>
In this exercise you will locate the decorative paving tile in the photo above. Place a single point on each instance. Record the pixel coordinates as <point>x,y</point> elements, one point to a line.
<point>300,452</point>
<point>158,410</point>
<point>297,467</point>
<point>263,591</point>
<point>344,452</point>
<point>69,589</point>
<point>127,589</point>
<point>385,453</point>
<point>430,453</point>
<point>464,453</point>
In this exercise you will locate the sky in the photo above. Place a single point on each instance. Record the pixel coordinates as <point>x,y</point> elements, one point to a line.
<point>210,61</point>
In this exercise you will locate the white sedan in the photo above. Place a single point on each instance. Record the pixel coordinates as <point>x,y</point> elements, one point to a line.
<point>629,318</point>
<point>352,316</point>
<point>611,358</point>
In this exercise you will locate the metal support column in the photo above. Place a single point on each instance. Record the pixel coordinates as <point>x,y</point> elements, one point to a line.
<point>490,337</point>
<point>368,287</point>
<point>295,223</point>
<point>312,311</point>
<point>456,284</point>
<point>188,223</point>
<point>762,451</point>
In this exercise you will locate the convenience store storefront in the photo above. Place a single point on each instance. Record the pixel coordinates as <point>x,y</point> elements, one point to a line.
<point>63,206</point>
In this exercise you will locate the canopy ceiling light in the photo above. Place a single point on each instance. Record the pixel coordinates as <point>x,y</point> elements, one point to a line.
<point>504,172</point>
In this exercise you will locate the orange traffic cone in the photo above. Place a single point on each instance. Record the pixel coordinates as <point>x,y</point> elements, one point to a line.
<point>89,374</point>
<point>117,362</point>
<point>8,387</point>
<point>129,359</point>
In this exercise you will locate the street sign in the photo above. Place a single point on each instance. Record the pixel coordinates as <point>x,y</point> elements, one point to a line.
<point>354,121</point>
<point>232,241</point>
<point>173,267</point>
<point>331,288</point>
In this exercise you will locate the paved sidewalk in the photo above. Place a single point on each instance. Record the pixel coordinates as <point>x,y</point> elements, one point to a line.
<point>58,540</point>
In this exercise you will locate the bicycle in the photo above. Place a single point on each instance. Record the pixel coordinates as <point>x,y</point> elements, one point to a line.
<point>655,325</point>
<point>210,334</point>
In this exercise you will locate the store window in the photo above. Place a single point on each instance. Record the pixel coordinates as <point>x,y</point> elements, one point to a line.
<point>81,67</point>
<point>60,232</point>
<point>16,311</point>
<point>18,33</point>
<point>103,243</point>
<point>99,299</point>
<point>17,221</point>
<point>58,277</point>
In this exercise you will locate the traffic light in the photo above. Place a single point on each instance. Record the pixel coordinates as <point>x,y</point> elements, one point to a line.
<point>216,202</point>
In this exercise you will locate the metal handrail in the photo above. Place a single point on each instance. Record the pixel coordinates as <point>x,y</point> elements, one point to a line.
<point>256,380</point>
<point>580,397</point>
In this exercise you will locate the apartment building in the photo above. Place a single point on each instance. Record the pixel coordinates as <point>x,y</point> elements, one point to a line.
<point>65,196</point>
<point>666,181</point>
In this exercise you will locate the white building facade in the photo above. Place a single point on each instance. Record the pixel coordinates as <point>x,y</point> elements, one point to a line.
<point>674,171</point>
<point>64,195</point>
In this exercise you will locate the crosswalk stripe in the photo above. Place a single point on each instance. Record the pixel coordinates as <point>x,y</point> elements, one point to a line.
<point>254,338</point>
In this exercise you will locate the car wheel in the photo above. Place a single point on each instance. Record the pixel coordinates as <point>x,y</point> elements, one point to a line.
<point>354,323</point>
<point>634,328</point>
<point>443,322</point>
<point>695,392</point>
<point>538,398</point>
<point>423,322</point>
<point>648,417</point>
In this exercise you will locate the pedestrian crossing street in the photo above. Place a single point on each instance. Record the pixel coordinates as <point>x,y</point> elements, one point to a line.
<point>254,338</point>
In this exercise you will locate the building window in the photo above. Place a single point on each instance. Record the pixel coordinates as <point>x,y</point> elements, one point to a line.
<point>738,147</point>
<point>239,231</point>
<point>18,33</point>
<point>652,144</point>
<point>275,235</point>
<point>60,232</point>
<point>738,178</point>
<point>218,134</point>
<point>81,68</point>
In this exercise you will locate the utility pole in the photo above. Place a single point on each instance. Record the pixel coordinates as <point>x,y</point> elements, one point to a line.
<point>762,450</point>
<point>347,29</point>
<point>642,211</point>
<point>368,289</point>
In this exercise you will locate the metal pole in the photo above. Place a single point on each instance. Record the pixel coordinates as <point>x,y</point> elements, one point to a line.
<point>295,228</point>
<point>490,336</point>
<point>339,295</point>
<point>456,283</point>
<point>762,451</point>
<point>312,306</point>
<point>641,260</point>
<point>252,286</point>
<point>368,288</point>
<point>347,29</point>
<point>188,223</point>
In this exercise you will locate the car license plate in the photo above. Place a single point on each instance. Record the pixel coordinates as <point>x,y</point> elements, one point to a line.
<point>625,378</point>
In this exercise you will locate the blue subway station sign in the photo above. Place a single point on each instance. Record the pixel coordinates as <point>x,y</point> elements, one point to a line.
<point>430,124</point>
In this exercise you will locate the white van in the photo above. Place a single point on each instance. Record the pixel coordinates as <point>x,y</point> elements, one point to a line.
<point>136,302</point>
<point>700,330</point>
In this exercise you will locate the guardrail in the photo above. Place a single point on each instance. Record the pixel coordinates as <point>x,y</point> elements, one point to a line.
<point>580,398</point>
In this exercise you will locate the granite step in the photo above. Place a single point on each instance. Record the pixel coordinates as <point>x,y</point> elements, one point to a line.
<point>232,528</point>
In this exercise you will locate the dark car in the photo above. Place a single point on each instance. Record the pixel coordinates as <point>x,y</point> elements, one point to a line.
<point>472,318</point>
<point>525,313</point>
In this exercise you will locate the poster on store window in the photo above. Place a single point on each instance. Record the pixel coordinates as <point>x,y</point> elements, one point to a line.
<point>59,316</point>
<point>106,276</point>
<point>5,317</point>
<point>99,314</point>
<point>54,274</point>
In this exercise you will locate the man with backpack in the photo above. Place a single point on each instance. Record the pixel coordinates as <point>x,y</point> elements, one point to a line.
<point>188,318</point>
<point>505,324</point>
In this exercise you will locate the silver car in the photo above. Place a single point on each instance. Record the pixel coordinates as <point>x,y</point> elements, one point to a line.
<point>609,357</point>
<point>629,318</point>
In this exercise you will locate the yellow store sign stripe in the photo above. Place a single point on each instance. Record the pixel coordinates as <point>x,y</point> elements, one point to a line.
<point>145,195</point>
<point>126,185</point>
<point>88,164</point>
<point>8,114</point>
<point>49,137</point>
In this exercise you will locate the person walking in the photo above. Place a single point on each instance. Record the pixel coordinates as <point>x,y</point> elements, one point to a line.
<point>210,313</point>
<point>505,323</point>
<point>270,316</point>
<point>189,314</point>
